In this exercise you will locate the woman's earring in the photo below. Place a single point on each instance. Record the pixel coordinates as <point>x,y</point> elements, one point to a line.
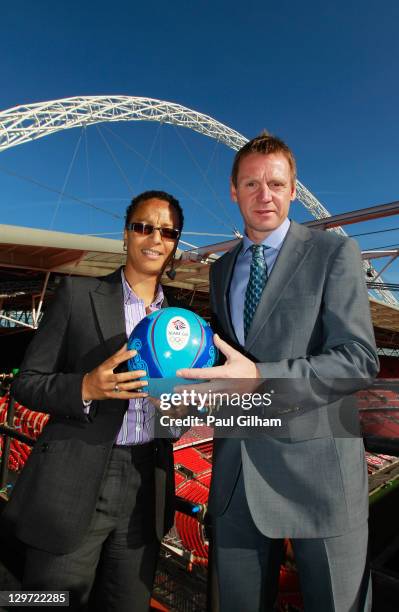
<point>125,247</point>
<point>171,273</point>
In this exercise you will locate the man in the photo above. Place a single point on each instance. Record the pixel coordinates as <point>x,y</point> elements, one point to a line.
<point>293,300</point>
<point>97,490</point>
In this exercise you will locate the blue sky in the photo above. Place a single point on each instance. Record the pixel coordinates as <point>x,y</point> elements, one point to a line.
<point>323,76</point>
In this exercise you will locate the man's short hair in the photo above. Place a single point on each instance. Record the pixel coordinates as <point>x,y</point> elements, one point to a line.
<point>159,195</point>
<point>266,144</point>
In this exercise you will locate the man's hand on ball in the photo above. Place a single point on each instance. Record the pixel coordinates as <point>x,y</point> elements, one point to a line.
<point>236,366</point>
<point>103,383</point>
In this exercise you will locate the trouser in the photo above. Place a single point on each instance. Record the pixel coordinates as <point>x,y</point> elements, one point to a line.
<point>113,568</point>
<point>333,572</point>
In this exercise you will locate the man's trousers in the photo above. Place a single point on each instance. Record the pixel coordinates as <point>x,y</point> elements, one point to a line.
<point>333,572</point>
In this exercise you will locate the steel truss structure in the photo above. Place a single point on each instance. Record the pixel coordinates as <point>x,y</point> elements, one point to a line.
<point>24,123</point>
<point>23,317</point>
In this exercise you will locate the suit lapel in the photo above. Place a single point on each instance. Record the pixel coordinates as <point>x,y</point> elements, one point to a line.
<point>107,301</point>
<point>224,288</point>
<point>295,249</point>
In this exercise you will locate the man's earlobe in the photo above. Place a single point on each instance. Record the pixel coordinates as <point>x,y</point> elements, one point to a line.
<point>233,192</point>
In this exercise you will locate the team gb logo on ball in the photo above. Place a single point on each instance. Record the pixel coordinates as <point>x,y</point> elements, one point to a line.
<point>178,333</point>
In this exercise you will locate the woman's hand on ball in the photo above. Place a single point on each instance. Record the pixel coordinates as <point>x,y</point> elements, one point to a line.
<point>103,383</point>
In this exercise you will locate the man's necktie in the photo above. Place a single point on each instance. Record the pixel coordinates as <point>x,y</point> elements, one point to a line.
<point>257,280</point>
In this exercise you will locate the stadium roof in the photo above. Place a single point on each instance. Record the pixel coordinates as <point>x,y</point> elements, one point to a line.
<point>27,251</point>
<point>40,250</point>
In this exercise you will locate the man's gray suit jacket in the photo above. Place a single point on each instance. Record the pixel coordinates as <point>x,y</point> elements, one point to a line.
<point>312,325</point>
<point>55,496</point>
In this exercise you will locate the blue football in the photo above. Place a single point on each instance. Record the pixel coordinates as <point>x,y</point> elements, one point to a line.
<point>170,339</point>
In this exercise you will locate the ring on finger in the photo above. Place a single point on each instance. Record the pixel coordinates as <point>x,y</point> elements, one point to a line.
<point>116,389</point>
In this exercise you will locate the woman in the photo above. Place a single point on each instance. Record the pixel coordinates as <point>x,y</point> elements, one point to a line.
<point>96,495</point>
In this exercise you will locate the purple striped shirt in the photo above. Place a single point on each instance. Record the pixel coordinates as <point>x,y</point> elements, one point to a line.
<point>138,422</point>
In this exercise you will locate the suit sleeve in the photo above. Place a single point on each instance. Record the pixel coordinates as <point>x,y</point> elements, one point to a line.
<point>347,359</point>
<point>42,384</point>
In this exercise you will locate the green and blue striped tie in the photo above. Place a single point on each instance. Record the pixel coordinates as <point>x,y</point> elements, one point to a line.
<point>258,275</point>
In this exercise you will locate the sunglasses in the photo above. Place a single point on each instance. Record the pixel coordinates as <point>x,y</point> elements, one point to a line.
<point>145,229</point>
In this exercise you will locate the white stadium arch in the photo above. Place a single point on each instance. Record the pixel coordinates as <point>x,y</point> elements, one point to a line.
<point>25,123</point>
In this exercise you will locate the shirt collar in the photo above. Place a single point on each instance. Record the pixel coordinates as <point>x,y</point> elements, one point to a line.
<point>129,296</point>
<point>273,241</point>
